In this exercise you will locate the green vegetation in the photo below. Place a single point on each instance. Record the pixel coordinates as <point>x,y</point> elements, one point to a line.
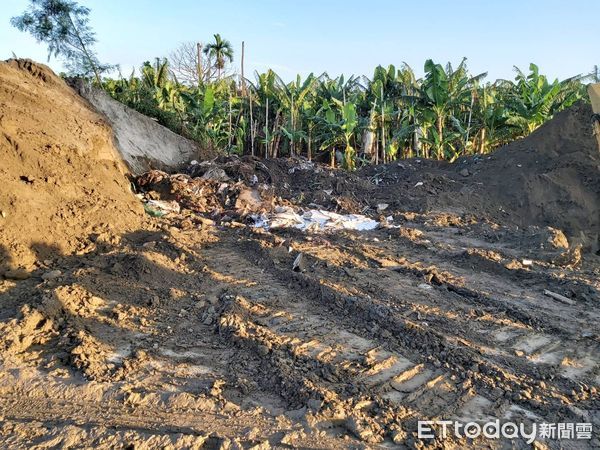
<point>63,26</point>
<point>349,121</point>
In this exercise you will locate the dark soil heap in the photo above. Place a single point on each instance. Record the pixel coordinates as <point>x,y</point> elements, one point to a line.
<point>550,178</point>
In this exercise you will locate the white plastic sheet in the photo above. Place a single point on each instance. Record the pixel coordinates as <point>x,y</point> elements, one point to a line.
<point>315,220</point>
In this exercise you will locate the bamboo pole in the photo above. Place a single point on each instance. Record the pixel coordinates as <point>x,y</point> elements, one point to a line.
<point>251,126</point>
<point>199,63</point>
<point>382,125</point>
<point>242,63</point>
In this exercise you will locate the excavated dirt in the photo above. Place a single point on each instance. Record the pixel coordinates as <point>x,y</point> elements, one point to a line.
<point>61,177</point>
<point>193,330</point>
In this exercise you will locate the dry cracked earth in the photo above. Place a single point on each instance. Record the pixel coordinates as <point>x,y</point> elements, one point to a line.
<point>204,337</point>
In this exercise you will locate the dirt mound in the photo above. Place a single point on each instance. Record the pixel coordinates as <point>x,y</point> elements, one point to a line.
<point>550,178</point>
<point>61,176</point>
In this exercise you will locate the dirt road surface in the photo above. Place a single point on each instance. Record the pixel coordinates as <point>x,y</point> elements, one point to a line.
<point>178,338</point>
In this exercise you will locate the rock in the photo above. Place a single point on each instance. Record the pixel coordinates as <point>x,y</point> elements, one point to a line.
<point>3,214</point>
<point>291,437</point>
<point>52,275</point>
<point>248,200</point>
<point>186,224</point>
<point>398,436</point>
<point>557,238</point>
<point>264,445</point>
<point>216,174</point>
<point>314,404</point>
<point>206,222</point>
<point>17,274</point>
<point>155,301</point>
<point>464,172</point>
<point>382,207</point>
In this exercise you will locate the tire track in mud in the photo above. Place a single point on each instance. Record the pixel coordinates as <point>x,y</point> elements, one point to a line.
<point>417,371</point>
<point>342,373</point>
<point>538,338</point>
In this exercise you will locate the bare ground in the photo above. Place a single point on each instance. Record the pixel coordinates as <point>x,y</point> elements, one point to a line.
<point>168,337</point>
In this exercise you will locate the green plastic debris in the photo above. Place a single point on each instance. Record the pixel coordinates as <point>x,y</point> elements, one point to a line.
<point>153,212</point>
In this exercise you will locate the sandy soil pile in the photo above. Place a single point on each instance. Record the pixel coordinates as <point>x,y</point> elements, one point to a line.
<point>60,173</point>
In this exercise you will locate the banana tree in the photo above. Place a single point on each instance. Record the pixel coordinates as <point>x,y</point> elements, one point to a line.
<point>533,100</point>
<point>445,92</point>
<point>339,121</point>
<point>293,97</point>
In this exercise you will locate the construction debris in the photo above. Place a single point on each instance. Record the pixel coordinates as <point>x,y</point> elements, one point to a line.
<point>560,298</point>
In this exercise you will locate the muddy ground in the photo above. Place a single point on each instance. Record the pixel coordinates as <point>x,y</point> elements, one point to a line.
<point>205,336</point>
<point>192,329</point>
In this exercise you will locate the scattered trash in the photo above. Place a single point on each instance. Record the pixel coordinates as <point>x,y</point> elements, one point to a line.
<point>153,212</point>
<point>215,173</point>
<point>302,165</point>
<point>382,207</point>
<point>420,183</point>
<point>248,200</point>
<point>299,265</point>
<point>53,274</point>
<point>314,220</point>
<point>425,286</point>
<point>527,262</point>
<point>560,298</point>
<point>165,206</point>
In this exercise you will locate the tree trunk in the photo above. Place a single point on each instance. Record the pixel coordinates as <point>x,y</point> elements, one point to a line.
<point>277,140</point>
<point>482,141</point>
<point>199,63</point>
<point>251,126</point>
<point>85,51</point>
<point>293,129</point>
<point>469,121</point>
<point>309,142</point>
<point>382,125</point>
<point>243,79</point>
<point>267,129</point>
<point>230,124</point>
<point>440,130</point>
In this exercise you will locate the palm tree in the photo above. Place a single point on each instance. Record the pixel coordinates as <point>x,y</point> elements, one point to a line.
<point>221,50</point>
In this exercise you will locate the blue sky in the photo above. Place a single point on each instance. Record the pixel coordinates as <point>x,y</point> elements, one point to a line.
<point>336,36</point>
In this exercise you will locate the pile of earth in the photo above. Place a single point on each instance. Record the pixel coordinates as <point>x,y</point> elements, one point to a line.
<point>550,178</point>
<point>62,177</point>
